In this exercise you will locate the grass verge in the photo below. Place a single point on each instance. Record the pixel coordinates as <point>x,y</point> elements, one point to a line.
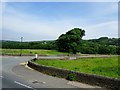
<point>99,66</point>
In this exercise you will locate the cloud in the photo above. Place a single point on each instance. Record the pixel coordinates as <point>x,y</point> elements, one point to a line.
<point>109,29</point>
<point>15,21</point>
<point>17,24</point>
<point>51,29</point>
<point>103,9</point>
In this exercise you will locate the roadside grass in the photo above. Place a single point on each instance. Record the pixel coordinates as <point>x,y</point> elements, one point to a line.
<point>99,66</point>
<point>31,51</point>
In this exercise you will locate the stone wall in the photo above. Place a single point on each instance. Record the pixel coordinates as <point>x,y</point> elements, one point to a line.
<point>91,79</point>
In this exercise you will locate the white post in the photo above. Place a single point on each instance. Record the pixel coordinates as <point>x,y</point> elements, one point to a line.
<point>36,56</point>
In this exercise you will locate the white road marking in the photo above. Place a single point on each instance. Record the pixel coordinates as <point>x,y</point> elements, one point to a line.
<point>23,85</point>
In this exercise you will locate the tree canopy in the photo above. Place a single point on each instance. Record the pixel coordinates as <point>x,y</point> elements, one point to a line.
<point>70,41</point>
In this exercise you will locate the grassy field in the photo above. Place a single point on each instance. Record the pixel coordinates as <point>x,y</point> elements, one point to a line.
<point>100,66</point>
<point>31,51</point>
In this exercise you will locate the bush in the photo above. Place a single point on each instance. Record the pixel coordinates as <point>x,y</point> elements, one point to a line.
<point>71,76</point>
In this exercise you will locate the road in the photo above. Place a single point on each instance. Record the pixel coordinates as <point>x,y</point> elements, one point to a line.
<point>9,78</point>
<point>16,75</point>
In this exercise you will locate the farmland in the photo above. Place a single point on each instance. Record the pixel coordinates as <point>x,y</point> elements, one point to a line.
<point>100,66</point>
<point>30,52</point>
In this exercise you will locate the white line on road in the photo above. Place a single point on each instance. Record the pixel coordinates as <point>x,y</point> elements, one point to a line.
<point>23,85</point>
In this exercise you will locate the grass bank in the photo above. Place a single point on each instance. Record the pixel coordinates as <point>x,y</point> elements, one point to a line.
<point>100,66</point>
<point>31,51</point>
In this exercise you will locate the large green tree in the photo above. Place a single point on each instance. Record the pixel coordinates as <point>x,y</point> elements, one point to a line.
<point>70,41</point>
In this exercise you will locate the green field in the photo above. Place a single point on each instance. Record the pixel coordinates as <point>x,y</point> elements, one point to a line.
<point>100,66</point>
<point>31,51</point>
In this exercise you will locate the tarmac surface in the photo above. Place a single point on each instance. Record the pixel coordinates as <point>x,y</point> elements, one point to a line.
<point>15,74</point>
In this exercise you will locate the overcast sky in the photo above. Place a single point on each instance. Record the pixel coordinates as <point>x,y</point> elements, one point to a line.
<point>37,21</point>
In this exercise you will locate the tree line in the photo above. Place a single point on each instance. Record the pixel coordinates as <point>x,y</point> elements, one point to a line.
<point>103,45</point>
<point>70,42</point>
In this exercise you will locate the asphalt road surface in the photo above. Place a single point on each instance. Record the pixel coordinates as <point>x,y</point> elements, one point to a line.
<point>9,78</point>
<point>15,75</point>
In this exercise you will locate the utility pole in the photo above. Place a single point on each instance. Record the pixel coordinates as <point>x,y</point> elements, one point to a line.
<point>21,46</point>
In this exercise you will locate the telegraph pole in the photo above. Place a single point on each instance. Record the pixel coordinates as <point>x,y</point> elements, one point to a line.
<point>21,46</point>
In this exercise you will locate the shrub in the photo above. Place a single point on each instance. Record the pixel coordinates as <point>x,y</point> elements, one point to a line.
<point>71,76</point>
<point>30,52</point>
